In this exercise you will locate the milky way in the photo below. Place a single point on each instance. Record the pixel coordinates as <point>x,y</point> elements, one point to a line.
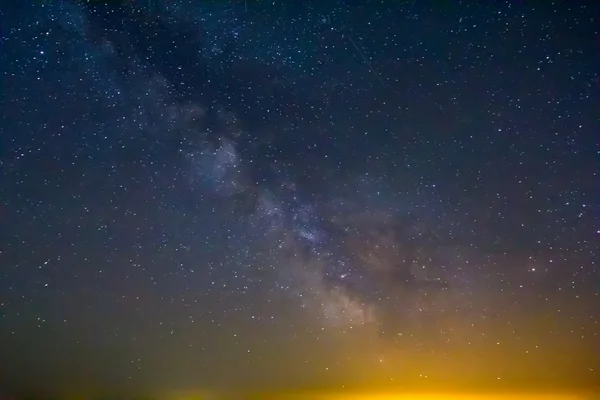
<point>203,194</point>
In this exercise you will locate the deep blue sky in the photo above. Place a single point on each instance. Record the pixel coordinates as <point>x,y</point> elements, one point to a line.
<point>199,193</point>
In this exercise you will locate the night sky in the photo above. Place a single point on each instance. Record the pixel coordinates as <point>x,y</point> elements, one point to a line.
<point>302,194</point>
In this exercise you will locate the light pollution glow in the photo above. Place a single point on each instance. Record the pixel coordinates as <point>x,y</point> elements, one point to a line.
<point>450,396</point>
<point>415,396</point>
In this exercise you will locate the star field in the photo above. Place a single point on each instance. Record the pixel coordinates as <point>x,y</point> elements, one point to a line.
<point>252,194</point>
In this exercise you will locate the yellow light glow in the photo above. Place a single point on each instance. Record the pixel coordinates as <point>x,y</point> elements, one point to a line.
<point>402,396</point>
<point>451,396</point>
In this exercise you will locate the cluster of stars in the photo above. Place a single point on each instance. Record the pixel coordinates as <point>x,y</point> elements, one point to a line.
<point>202,185</point>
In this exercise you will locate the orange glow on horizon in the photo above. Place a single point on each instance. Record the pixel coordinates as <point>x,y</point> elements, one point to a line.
<point>411,396</point>
<point>448,396</point>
